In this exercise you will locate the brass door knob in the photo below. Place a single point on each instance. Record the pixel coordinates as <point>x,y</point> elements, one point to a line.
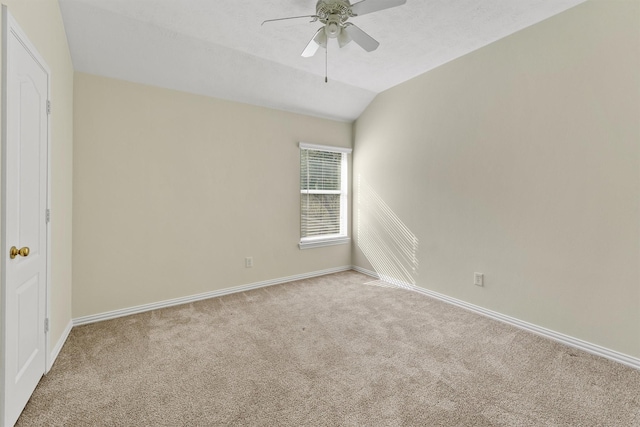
<point>14,252</point>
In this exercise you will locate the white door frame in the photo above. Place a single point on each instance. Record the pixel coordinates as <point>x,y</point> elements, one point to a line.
<point>10,26</point>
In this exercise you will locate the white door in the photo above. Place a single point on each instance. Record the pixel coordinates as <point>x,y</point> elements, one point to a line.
<point>24,215</point>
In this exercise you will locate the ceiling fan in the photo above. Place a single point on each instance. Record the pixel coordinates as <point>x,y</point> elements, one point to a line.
<point>334,14</point>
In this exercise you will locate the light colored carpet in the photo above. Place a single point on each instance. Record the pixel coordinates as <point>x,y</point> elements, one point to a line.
<point>326,351</point>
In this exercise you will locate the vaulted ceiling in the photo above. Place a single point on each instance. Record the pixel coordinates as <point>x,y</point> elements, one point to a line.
<point>219,48</point>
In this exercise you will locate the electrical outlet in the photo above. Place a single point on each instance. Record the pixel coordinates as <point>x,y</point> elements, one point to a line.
<point>248,262</point>
<point>478,279</point>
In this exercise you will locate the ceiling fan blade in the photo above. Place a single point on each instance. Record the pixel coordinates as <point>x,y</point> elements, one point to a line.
<point>344,38</point>
<point>319,39</point>
<point>315,18</point>
<point>369,6</point>
<point>365,41</point>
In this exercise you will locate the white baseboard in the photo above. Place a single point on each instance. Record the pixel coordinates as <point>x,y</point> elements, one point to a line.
<point>56,350</point>
<point>193,298</point>
<point>365,271</point>
<point>538,330</point>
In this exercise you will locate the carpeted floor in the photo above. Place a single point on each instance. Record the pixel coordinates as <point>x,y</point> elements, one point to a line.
<point>324,352</point>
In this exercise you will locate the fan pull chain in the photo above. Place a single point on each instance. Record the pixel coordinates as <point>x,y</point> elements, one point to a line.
<point>326,63</point>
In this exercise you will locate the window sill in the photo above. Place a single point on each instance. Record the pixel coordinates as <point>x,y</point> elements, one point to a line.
<point>318,243</point>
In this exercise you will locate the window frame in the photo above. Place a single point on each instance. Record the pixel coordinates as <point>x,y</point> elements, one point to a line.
<point>343,236</point>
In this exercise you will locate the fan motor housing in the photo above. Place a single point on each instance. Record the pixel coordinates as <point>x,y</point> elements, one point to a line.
<point>333,11</point>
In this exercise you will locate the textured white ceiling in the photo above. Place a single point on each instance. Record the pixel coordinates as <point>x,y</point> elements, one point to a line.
<point>218,47</point>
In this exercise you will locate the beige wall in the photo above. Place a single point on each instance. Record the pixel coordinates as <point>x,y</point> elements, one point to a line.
<point>42,23</point>
<point>521,161</point>
<point>172,191</point>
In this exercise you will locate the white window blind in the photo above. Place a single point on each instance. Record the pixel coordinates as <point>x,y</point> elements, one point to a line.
<point>323,195</point>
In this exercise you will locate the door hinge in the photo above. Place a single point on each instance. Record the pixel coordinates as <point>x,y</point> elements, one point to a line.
<point>48,215</point>
<point>46,325</point>
<point>48,107</point>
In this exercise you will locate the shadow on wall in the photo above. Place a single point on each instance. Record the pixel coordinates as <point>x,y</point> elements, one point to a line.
<point>387,243</point>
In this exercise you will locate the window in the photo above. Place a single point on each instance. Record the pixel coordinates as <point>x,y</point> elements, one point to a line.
<point>323,195</point>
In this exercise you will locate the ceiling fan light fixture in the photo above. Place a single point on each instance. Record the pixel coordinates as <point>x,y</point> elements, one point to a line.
<point>322,39</point>
<point>343,38</point>
<point>332,29</point>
